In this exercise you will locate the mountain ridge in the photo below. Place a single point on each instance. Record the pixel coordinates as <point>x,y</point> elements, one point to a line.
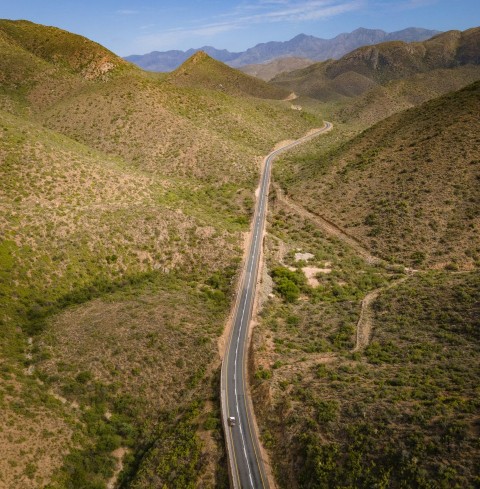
<point>302,45</point>
<point>375,65</point>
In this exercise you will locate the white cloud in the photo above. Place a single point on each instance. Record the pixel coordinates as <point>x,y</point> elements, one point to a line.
<point>246,14</point>
<point>267,11</point>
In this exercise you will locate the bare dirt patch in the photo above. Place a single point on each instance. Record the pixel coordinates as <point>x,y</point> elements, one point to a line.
<point>303,256</point>
<point>311,274</point>
<point>119,453</point>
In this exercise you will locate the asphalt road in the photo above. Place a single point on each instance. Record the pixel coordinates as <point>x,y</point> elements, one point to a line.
<point>246,466</point>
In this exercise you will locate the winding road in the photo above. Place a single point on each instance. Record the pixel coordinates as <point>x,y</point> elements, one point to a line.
<point>246,467</point>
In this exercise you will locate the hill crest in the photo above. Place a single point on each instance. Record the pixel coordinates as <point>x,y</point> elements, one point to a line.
<point>202,71</point>
<point>61,48</point>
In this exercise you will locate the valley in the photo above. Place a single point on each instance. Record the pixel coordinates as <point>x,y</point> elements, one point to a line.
<point>127,200</point>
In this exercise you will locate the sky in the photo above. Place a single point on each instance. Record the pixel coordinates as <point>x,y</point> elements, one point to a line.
<point>141,26</point>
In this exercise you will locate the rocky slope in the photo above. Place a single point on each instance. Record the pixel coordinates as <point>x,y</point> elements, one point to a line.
<point>370,66</point>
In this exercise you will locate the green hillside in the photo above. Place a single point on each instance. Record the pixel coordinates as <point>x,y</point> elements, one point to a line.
<point>142,117</point>
<point>125,198</point>
<point>407,187</point>
<point>80,227</point>
<point>402,412</point>
<point>202,71</point>
<point>385,100</point>
<point>62,49</point>
<point>173,130</point>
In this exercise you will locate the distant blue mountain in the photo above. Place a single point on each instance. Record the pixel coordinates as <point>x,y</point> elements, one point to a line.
<point>303,46</point>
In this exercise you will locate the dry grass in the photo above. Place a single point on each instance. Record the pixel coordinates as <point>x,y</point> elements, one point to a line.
<point>148,347</point>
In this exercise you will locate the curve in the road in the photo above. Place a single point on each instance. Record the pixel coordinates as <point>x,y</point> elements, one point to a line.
<point>246,467</point>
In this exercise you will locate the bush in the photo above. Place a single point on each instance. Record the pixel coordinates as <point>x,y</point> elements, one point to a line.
<point>288,284</point>
<point>262,374</point>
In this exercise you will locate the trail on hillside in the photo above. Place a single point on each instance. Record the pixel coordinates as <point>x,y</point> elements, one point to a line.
<point>366,319</point>
<point>326,225</point>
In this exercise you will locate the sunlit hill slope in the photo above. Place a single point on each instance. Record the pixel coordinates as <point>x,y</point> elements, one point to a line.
<point>124,197</point>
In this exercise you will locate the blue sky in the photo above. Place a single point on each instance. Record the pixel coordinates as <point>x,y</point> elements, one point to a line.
<point>140,26</point>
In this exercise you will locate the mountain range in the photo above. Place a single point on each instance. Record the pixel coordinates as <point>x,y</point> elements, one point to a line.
<point>368,67</point>
<point>303,46</point>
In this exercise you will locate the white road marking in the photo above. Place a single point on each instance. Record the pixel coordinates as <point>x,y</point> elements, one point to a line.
<point>235,369</point>
<point>260,219</point>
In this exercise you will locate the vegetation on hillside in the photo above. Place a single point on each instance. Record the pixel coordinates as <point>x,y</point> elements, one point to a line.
<point>123,215</point>
<point>202,71</point>
<point>369,66</point>
<point>399,412</point>
<point>402,413</point>
<point>78,226</point>
<point>412,180</point>
<point>62,49</point>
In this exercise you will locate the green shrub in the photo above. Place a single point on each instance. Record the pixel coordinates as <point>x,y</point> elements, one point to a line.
<point>288,284</point>
<point>263,374</point>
